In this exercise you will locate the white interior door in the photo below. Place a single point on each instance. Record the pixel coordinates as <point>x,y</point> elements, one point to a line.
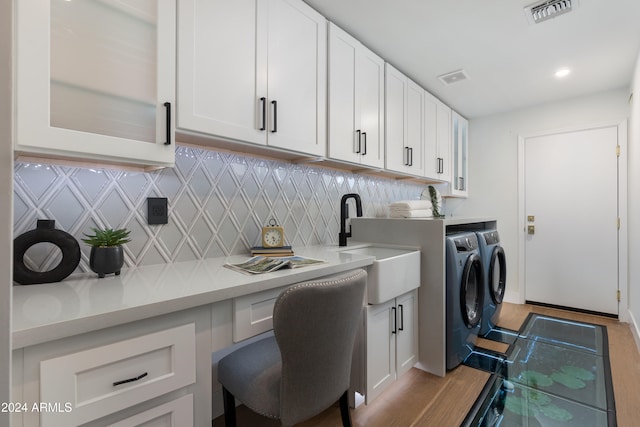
<point>571,200</point>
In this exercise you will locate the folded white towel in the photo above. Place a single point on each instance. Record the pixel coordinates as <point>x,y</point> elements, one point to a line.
<point>411,213</point>
<point>411,204</point>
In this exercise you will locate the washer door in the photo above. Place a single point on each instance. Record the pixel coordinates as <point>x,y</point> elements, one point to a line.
<point>497,274</point>
<point>472,291</point>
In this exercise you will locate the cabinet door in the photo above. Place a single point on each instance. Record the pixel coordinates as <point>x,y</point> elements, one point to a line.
<point>296,72</point>
<point>344,139</point>
<point>96,80</point>
<point>407,335</point>
<point>381,348</point>
<point>395,119</point>
<point>404,117</point>
<point>444,141</point>
<point>431,160</point>
<point>217,80</point>
<point>370,106</point>
<point>437,139</point>
<point>415,135</point>
<point>460,151</point>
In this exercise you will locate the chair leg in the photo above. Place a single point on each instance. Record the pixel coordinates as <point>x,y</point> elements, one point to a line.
<point>344,409</point>
<point>229,408</point>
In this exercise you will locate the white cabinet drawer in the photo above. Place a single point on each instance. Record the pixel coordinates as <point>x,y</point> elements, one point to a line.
<point>104,380</point>
<point>253,314</point>
<point>177,413</point>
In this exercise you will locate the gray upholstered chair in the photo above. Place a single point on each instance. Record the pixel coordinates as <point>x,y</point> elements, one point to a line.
<point>306,366</point>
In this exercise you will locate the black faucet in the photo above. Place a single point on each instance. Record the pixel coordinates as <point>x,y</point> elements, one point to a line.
<point>344,214</point>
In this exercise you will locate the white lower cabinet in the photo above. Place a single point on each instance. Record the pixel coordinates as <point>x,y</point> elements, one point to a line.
<point>152,373</point>
<point>391,342</point>
<point>177,413</point>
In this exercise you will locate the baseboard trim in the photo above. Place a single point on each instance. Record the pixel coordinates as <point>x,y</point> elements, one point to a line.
<point>578,310</point>
<point>635,328</point>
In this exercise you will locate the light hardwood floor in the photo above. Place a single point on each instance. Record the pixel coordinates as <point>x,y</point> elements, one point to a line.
<point>422,399</point>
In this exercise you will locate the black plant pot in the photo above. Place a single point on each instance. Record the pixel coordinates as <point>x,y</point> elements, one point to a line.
<point>106,260</point>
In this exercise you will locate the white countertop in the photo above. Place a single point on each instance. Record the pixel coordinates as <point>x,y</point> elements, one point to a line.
<point>84,303</point>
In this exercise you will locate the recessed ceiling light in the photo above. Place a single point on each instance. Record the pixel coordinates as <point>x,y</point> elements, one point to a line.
<point>562,72</point>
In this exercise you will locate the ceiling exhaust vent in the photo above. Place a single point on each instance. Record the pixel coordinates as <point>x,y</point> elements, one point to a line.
<point>453,77</point>
<point>543,11</point>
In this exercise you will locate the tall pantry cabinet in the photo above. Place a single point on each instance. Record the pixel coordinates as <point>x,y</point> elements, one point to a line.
<point>253,71</point>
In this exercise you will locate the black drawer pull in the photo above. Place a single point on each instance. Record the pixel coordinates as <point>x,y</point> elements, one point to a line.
<point>130,380</point>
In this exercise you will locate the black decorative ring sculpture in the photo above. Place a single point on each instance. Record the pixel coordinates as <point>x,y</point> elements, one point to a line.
<point>45,232</point>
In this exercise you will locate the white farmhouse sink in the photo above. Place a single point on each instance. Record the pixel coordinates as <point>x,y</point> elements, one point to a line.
<point>394,272</point>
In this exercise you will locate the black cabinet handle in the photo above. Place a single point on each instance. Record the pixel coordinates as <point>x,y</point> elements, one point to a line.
<point>440,165</point>
<point>394,330</point>
<point>168,107</point>
<point>406,156</point>
<point>401,328</point>
<point>275,116</point>
<point>364,135</point>
<point>130,380</point>
<point>263,101</point>
<point>359,140</point>
<point>461,181</point>
<point>409,157</point>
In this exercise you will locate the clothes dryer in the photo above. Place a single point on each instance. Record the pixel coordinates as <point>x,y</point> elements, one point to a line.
<point>464,296</point>
<point>495,269</point>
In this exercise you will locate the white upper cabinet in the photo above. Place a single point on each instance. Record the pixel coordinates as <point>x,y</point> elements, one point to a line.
<point>356,101</point>
<point>404,117</point>
<point>253,71</point>
<point>96,80</point>
<point>437,140</point>
<point>460,149</point>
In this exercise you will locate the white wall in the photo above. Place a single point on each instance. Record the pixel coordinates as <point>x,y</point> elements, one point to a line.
<point>6,192</point>
<point>634,205</point>
<point>493,169</point>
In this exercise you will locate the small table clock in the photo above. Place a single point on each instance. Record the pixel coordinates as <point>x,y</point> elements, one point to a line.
<point>272,235</point>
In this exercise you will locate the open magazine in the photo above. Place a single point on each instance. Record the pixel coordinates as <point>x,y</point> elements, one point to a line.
<point>262,264</point>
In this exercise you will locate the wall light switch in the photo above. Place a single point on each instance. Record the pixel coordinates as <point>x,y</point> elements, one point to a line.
<point>157,210</point>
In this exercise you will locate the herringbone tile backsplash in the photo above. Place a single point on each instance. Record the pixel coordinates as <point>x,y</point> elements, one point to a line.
<point>217,204</point>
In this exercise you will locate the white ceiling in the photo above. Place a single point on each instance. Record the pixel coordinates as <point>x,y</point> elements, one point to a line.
<point>510,62</point>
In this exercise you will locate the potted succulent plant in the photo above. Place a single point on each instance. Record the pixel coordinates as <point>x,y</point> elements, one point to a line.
<point>107,255</point>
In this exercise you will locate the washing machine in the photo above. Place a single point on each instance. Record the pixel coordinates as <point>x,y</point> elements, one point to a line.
<point>464,296</point>
<point>495,268</point>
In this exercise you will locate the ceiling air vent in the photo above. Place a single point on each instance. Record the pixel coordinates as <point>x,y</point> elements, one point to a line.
<point>453,77</point>
<point>540,12</point>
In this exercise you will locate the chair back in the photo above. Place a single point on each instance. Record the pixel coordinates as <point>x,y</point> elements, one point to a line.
<point>315,325</point>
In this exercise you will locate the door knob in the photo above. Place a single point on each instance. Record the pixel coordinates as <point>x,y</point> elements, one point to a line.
<point>531,229</point>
